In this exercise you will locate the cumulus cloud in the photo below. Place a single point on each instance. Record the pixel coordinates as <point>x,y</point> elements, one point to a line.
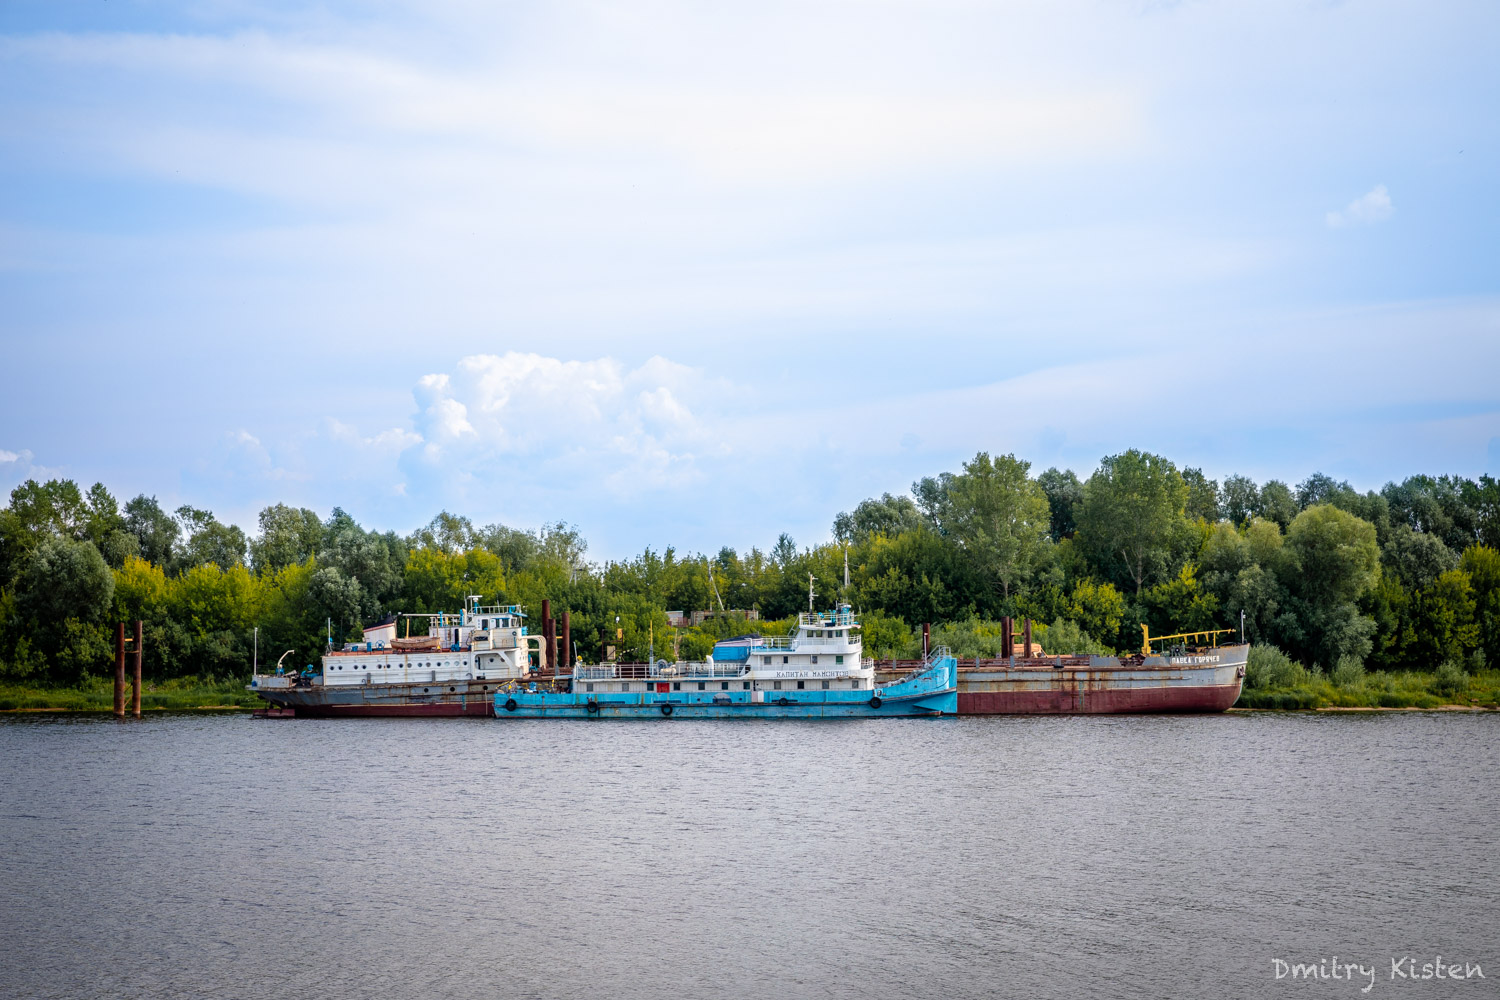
<point>1371,207</point>
<point>597,421</point>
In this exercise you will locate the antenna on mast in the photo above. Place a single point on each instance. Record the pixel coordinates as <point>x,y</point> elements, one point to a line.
<point>810,594</point>
<point>846,566</point>
<point>714,585</point>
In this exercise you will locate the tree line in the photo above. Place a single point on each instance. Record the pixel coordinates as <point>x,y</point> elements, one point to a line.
<point>1406,578</point>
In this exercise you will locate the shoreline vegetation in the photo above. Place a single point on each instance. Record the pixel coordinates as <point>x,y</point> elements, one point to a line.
<point>1387,599</point>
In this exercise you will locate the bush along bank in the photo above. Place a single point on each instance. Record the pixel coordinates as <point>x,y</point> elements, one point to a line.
<point>1274,680</point>
<point>96,694</point>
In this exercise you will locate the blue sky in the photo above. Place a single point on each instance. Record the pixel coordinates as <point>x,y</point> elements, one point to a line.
<point>694,274</point>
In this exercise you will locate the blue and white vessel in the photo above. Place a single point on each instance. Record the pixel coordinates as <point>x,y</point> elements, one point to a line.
<point>818,673</point>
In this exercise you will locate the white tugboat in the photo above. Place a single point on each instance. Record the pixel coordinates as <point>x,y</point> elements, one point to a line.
<point>817,673</point>
<point>452,670</point>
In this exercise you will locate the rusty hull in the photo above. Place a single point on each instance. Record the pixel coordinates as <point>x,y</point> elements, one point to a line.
<point>1196,680</point>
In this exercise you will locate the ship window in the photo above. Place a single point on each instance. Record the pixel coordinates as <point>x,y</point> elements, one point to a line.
<point>765,660</point>
<point>588,687</point>
<point>783,659</point>
<point>838,659</point>
<point>677,686</point>
<point>747,685</point>
<point>723,685</point>
<point>825,685</point>
<point>815,659</point>
<point>702,686</point>
<point>777,685</point>
<point>801,685</point>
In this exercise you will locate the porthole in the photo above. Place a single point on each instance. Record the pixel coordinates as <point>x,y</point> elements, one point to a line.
<point>451,690</point>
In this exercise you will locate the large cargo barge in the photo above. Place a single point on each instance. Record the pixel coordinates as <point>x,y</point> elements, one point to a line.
<point>1175,677</point>
<point>453,670</point>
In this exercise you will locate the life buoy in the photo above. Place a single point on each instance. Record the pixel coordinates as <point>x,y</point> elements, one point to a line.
<point>875,701</point>
<point>783,700</point>
<point>666,710</point>
<point>592,707</point>
<point>510,704</point>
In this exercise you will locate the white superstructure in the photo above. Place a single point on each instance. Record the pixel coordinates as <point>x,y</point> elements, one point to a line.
<point>478,643</point>
<point>825,654</point>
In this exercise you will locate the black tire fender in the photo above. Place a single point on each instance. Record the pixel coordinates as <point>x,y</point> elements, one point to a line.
<point>510,704</point>
<point>666,710</point>
<point>875,701</point>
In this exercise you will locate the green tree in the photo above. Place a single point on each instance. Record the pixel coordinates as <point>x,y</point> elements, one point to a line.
<point>1133,507</point>
<point>1202,495</point>
<point>155,531</point>
<point>889,515</point>
<point>288,535</point>
<point>209,541</point>
<point>1277,503</point>
<point>999,516</point>
<point>1241,499</point>
<point>65,579</point>
<point>1415,558</point>
<point>1331,561</point>
<point>1444,620</point>
<point>62,596</point>
<point>1064,494</point>
<point>1482,564</point>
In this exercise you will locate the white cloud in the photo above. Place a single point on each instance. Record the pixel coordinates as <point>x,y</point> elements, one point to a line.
<point>1371,207</point>
<point>571,421</point>
<point>12,456</point>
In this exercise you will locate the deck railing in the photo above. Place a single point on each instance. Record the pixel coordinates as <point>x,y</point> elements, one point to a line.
<point>827,619</point>
<point>653,671</point>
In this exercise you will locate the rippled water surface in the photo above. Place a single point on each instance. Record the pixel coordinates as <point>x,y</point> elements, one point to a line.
<point>187,856</point>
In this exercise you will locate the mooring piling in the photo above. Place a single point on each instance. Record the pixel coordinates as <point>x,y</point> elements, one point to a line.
<point>135,679</point>
<point>120,670</point>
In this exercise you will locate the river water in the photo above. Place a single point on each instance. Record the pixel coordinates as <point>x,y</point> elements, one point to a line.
<point>194,856</point>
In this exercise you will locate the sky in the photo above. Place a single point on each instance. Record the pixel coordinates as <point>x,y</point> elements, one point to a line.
<point>697,274</point>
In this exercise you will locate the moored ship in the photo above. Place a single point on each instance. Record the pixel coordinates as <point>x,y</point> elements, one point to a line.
<point>817,673</point>
<point>1189,672</point>
<point>452,670</point>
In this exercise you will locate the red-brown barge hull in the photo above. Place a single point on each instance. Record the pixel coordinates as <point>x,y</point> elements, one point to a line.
<point>1098,701</point>
<point>1180,680</point>
<point>475,707</point>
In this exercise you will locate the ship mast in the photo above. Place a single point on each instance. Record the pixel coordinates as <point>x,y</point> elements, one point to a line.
<point>810,594</point>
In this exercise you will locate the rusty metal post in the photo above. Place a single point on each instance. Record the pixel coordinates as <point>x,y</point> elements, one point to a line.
<point>926,639</point>
<point>1027,633</point>
<point>120,669</point>
<point>567,642</point>
<point>548,648</point>
<point>1007,645</point>
<point>135,679</point>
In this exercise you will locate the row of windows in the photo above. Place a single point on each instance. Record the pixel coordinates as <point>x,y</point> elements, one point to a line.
<point>723,686</point>
<point>836,633</point>
<point>392,666</point>
<point>765,661</point>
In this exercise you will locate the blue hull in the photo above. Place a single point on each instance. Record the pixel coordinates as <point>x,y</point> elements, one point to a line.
<point>933,692</point>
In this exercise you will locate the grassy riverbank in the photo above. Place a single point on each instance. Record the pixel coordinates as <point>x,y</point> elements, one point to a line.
<point>1273,680</point>
<point>96,694</point>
